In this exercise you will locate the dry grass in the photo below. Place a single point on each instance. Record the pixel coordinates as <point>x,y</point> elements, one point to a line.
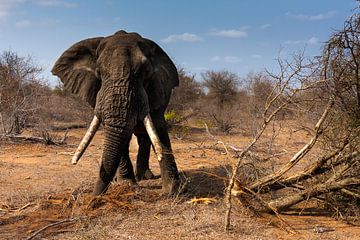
<point>60,193</point>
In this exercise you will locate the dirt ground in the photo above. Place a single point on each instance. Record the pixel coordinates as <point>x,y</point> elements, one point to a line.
<point>43,196</point>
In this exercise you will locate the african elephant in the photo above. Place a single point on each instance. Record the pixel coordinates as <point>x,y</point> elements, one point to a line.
<point>127,79</point>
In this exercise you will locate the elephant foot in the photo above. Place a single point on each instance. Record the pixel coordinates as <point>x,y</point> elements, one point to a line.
<point>127,176</point>
<point>131,182</point>
<point>120,178</point>
<point>100,187</point>
<point>173,188</point>
<point>171,183</point>
<point>147,175</point>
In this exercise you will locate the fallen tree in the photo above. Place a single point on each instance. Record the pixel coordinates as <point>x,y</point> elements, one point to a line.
<point>46,138</point>
<point>326,91</point>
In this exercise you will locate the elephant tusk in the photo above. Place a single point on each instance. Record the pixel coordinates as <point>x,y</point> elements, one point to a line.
<point>90,133</point>
<point>154,138</point>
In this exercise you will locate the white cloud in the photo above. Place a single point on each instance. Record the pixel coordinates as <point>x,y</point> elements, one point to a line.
<point>310,41</point>
<point>313,41</point>
<point>198,69</point>
<point>245,27</point>
<point>256,56</point>
<point>226,59</point>
<point>231,33</point>
<point>56,3</point>
<point>318,17</point>
<point>6,7</point>
<point>22,23</point>
<point>117,19</point>
<point>185,37</point>
<point>215,59</point>
<point>265,26</point>
<point>294,42</point>
<point>49,22</point>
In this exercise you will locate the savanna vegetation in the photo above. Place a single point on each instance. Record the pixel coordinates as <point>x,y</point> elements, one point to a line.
<point>318,98</point>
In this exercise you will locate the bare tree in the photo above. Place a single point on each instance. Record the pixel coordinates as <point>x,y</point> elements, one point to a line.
<point>221,86</point>
<point>259,87</point>
<point>342,67</point>
<point>332,84</point>
<point>222,90</point>
<point>185,96</point>
<point>19,88</point>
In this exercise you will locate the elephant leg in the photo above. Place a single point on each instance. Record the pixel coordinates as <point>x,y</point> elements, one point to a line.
<point>169,172</point>
<point>142,163</point>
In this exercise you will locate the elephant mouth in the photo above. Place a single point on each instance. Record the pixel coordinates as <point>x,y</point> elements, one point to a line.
<point>94,126</point>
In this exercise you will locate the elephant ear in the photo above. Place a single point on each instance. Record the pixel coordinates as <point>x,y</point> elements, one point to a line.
<point>76,68</point>
<point>163,80</point>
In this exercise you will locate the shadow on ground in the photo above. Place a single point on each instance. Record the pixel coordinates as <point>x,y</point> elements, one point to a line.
<point>205,182</point>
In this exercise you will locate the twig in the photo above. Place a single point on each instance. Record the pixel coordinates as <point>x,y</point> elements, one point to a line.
<point>17,209</point>
<point>45,139</point>
<point>311,170</point>
<point>329,186</point>
<point>236,168</point>
<point>272,209</point>
<point>62,141</point>
<point>34,155</point>
<point>225,145</point>
<point>350,193</point>
<point>2,124</point>
<point>51,225</point>
<point>269,179</point>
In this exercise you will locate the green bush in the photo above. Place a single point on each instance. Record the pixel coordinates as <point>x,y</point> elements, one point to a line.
<point>172,118</point>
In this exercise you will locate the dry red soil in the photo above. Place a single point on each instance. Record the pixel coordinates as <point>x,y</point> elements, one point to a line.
<point>40,188</point>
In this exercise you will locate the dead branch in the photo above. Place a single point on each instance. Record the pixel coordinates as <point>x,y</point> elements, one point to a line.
<point>2,123</point>
<point>31,156</point>
<point>70,126</point>
<point>310,171</point>
<point>70,220</point>
<point>16,209</point>
<point>224,144</point>
<point>270,179</point>
<point>45,139</point>
<point>63,140</point>
<point>270,208</point>
<point>350,193</point>
<point>317,190</point>
<point>266,121</point>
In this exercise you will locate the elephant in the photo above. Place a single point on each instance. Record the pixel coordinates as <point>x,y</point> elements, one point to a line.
<point>128,80</point>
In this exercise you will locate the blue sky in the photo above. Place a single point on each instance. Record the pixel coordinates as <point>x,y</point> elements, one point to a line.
<point>236,35</point>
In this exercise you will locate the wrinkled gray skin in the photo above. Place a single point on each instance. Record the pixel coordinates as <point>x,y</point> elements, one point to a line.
<point>123,77</point>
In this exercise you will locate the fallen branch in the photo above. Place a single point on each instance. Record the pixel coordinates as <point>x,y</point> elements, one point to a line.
<point>271,209</point>
<point>266,121</point>
<point>312,170</point>
<point>30,156</point>
<point>317,190</point>
<point>46,139</point>
<point>70,126</point>
<point>70,220</point>
<point>350,193</point>
<point>272,178</point>
<point>16,209</point>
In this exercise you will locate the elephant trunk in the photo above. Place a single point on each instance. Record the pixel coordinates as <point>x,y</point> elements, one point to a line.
<point>115,154</point>
<point>90,133</point>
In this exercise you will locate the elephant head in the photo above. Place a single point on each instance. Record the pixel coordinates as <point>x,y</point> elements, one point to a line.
<point>128,80</point>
